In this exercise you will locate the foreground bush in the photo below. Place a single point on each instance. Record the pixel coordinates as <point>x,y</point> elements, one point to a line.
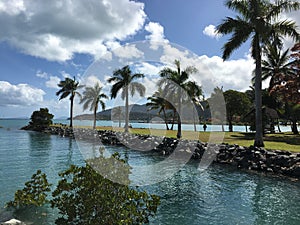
<point>85,197</point>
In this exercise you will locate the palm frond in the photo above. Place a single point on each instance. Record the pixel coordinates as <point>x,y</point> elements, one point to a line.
<point>64,94</point>
<point>137,75</point>
<point>116,88</point>
<point>140,88</point>
<point>286,28</point>
<point>114,79</point>
<point>237,39</point>
<point>87,103</point>
<point>167,72</point>
<point>282,6</point>
<point>241,7</point>
<point>102,104</point>
<point>241,31</point>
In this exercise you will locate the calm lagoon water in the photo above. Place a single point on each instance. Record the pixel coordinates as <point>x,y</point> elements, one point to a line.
<point>218,195</point>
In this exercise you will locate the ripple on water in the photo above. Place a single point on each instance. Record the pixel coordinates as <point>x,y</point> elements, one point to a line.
<point>218,195</point>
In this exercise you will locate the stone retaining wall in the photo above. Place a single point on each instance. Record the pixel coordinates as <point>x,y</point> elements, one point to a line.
<point>250,158</point>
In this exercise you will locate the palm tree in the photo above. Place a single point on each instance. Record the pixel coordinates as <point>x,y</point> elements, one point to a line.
<point>124,79</point>
<point>159,103</point>
<point>92,98</point>
<point>117,112</point>
<point>175,81</point>
<point>69,87</point>
<point>276,63</point>
<point>217,102</point>
<point>258,20</point>
<point>195,92</point>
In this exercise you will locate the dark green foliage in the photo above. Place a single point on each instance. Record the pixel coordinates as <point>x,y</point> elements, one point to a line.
<point>258,21</point>
<point>34,193</point>
<point>69,87</point>
<point>237,104</point>
<point>84,196</point>
<point>124,80</point>
<point>40,120</point>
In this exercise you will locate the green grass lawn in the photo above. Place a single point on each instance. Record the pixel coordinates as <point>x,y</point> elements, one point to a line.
<point>278,141</point>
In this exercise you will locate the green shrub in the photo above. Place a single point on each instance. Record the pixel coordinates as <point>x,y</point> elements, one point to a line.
<point>84,197</point>
<point>34,193</point>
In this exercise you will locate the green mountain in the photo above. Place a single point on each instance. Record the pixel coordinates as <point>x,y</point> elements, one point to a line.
<point>136,112</point>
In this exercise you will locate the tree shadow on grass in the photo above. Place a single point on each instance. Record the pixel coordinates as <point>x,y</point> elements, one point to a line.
<point>287,138</point>
<point>291,139</point>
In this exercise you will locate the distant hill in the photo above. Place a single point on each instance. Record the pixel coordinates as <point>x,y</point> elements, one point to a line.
<point>136,113</point>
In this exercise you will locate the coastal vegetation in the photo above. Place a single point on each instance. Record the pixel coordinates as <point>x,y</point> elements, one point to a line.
<point>177,82</point>
<point>39,120</point>
<point>257,20</point>
<point>124,80</point>
<point>100,193</point>
<point>69,87</point>
<point>84,196</point>
<point>92,97</point>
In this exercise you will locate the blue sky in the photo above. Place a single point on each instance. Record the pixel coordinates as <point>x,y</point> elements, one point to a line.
<point>42,42</point>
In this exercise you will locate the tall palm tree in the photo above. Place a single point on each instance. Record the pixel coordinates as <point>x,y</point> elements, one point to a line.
<point>175,81</point>
<point>258,21</point>
<point>124,79</point>
<point>92,97</point>
<point>69,87</point>
<point>276,63</point>
<point>195,93</point>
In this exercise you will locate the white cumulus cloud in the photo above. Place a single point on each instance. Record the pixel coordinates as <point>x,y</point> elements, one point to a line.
<point>156,36</point>
<point>41,74</point>
<point>52,82</point>
<point>128,52</point>
<point>211,31</point>
<point>20,94</point>
<point>56,30</point>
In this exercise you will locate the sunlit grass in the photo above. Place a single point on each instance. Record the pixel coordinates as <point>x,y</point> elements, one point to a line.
<point>279,141</point>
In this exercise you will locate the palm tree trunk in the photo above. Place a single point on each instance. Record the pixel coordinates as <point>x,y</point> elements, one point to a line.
<point>166,121</point>
<point>179,116</point>
<point>278,125</point>
<point>95,115</point>
<point>294,126</point>
<point>71,110</point>
<point>230,126</point>
<point>126,109</point>
<point>195,128</point>
<point>173,119</point>
<point>258,142</point>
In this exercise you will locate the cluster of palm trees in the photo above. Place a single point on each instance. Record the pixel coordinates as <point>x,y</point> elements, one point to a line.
<point>92,97</point>
<point>257,20</point>
<point>125,81</point>
<point>177,87</point>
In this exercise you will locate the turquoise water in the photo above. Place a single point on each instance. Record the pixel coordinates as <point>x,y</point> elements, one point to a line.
<point>163,126</point>
<point>218,195</point>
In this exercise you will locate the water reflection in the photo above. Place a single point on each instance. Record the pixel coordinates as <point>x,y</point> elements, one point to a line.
<point>40,144</point>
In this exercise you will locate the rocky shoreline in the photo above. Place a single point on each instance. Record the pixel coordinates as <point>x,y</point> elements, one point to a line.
<point>249,158</point>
